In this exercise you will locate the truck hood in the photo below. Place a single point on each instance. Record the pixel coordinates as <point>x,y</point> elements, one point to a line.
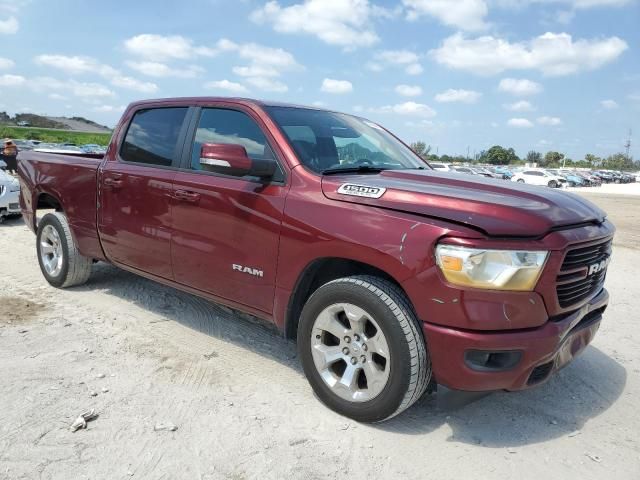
<point>497,207</point>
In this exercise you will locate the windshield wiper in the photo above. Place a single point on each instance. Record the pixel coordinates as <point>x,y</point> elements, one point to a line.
<point>358,169</point>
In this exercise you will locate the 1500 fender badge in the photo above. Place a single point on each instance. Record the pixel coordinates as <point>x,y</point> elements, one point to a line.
<point>361,190</point>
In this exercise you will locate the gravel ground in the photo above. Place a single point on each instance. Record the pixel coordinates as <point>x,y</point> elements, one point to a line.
<point>142,354</point>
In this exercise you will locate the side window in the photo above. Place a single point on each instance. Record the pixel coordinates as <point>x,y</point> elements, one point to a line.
<point>152,136</point>
<point>231,127</point>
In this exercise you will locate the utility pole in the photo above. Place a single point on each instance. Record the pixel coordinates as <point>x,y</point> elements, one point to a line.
<point>467,153</point>
<point>627,145</point>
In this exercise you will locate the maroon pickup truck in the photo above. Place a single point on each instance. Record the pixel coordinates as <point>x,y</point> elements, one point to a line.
<point>392,277</point>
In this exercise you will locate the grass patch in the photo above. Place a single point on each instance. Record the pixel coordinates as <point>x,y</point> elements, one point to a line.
<point>49,135</point>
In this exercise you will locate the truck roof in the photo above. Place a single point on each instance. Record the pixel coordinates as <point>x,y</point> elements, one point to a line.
<point>240,100</point>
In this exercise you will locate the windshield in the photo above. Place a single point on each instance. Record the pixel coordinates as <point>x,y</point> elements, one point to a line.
<point>334,141</point>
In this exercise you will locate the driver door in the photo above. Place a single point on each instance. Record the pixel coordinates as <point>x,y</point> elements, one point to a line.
<point>226,229</point>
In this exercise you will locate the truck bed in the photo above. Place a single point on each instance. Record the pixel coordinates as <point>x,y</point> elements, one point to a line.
<point>70,178</point>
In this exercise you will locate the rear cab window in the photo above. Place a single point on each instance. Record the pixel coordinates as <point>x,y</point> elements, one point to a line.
<point>152,136</point>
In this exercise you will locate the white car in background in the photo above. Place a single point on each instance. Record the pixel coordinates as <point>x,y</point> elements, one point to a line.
<point>9,196</point>
<point>537,176</point>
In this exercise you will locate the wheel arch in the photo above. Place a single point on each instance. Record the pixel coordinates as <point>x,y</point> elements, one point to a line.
<point>317,273</point>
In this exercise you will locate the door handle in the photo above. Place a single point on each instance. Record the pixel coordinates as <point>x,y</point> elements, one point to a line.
<point>186,196</point>
<point>112,182</point>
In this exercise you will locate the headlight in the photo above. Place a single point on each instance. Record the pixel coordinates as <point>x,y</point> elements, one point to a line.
<point>513,270</point>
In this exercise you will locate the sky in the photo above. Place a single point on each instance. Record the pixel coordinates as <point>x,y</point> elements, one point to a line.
<point>460,75</point>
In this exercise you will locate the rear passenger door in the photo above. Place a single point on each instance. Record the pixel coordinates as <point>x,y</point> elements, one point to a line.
<point>227,228</point>
<point>136,183</point>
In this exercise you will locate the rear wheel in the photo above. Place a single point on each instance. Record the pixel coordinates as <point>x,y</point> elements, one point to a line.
<point>362,348</point>
<point>60,261</point>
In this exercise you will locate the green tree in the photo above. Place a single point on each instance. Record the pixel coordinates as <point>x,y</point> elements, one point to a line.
<point>419,147</point>
<point>512,157</point>
<point>552,159</point>
<point>618,161</point>
<point>592,160</point>
<point>534,157</point>
<point>496,155</point>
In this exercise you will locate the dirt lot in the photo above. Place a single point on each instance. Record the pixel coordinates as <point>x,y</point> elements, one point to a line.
<point>234,390</point>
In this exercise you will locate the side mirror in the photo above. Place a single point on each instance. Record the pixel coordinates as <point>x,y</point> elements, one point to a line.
<point>232,159</point>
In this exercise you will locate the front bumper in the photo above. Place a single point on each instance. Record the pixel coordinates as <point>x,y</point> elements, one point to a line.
<point>544,350</point>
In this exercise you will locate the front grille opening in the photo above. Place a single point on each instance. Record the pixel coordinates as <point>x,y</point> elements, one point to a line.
<point>574,283</point>
<point>540,373</point>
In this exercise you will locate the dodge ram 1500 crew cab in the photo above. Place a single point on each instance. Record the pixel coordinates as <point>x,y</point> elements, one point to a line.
<point>391,276</point>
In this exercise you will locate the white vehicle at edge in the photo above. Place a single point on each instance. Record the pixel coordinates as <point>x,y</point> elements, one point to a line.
<point>9,196</point>
<point>538,176</point>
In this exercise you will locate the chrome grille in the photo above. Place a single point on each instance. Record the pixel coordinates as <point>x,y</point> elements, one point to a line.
<point>575,283</point>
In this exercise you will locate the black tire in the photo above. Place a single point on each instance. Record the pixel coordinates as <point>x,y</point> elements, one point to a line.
<point>76,268</point>
<point>553,184</point>
<point>410,367</point>
<point>520,180</point>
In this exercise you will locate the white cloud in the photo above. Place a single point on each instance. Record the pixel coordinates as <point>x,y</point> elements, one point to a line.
<point>549,121</point>
<point>519,86</point>
<point>9,26</point>
<point>256,71</point>
<point>57,96</point>
<point>409,108</point>
<point>75,65</point>
<point>81,89</point>
<point>576,4</point>
<point>461,14</point>
<point>160,70</point>
<point>226,85</point>
<point>268,84</point>
<point>8,80</point>
<point>6,63</point>
<point>171,47</point>
<point>414,69</point>
<point>265,64</point>
<point>521,106</point>
<point>260,55</point>
<point>134,84</point>
<point>87,91</point>
<point>519,123</point>
<point>345,23</point>
<point>330,85</point>
<point>409,90</point>
<point>634,96</point>
<point>461,96</point>
<point>388,58</point>
<point>551,54</point>
<point>609,104</point>
<point>109,108</point>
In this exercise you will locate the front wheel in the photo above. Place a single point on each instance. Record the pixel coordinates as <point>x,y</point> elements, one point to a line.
<point>362,348</point>
<point>521,180</point>
<point>60,261</point>
<point>553,184</point>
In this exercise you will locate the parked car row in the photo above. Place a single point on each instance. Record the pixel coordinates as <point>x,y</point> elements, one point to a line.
<point>65,147</point>
<point>554,178</point>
